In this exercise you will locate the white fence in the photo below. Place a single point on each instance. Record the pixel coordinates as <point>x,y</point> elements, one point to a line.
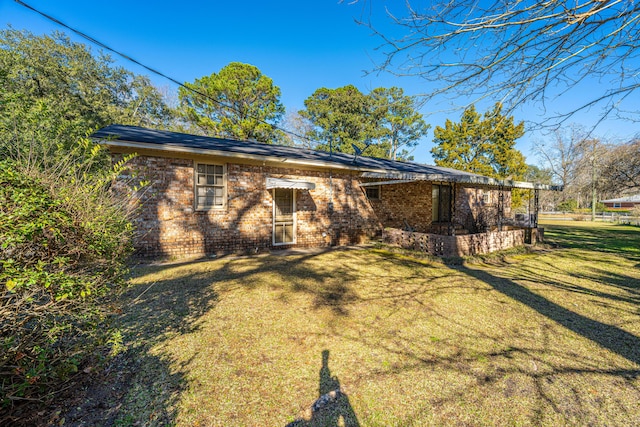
<point>617,217</point>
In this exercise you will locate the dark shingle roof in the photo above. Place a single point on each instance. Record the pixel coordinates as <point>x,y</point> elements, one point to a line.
<point>139,137</point>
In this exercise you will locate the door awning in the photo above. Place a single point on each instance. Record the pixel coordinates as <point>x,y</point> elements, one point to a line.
<point>289,183</point>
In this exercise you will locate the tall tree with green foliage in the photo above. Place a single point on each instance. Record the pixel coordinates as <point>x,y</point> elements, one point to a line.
<point>344,117</point>
<point>238,102</point>
<point>537,174</point>
<point>483,144</point>
<point>401,125</point>
<point>336,118</point>
<point>57,90</point>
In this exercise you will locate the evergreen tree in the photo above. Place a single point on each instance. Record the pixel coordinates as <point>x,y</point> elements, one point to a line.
<point>482,144</point>
<point>342,117</point>
<point>239,102</point>
<point>401,125</point>
<point>55,90</point>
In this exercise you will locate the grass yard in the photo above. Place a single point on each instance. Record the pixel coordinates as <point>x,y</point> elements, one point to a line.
<point>549,337</point>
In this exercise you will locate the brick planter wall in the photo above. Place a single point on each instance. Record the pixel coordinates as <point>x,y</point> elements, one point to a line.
<point>448,246</point>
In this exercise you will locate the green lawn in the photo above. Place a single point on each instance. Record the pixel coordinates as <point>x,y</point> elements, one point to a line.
<point>543,337</point>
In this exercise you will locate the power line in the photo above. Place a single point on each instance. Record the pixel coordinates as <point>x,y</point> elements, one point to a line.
<point>154,71</point>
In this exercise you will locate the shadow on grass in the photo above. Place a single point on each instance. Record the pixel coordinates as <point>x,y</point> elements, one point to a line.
<point>139,386</point>
<point>611,337</point>
<point>622,240</point>
<point>149,384</point>
<point>610,283</point>
<point>143,385</point>
<point>328,285</point>
<point>500,367</point>
<point>332,408</point>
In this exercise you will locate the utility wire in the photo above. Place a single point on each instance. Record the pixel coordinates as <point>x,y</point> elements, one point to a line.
<point>154,71</point>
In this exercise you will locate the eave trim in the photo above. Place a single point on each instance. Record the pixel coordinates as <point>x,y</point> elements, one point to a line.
<point>397,178</point>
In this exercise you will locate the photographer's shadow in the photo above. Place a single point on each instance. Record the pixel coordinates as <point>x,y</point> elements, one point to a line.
<point>332,408</point>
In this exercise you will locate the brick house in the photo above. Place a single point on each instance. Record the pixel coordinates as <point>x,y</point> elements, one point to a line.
<point>211,195</point>
<point>623,203</point>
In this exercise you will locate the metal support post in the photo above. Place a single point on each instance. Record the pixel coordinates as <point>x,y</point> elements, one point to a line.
<point>500,207</point>
<point>536,207</point>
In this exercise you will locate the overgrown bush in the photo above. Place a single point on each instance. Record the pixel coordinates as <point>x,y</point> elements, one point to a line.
<point>64,235</point>
<point>64,239</point>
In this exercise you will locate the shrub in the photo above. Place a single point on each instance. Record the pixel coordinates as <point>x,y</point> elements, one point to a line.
<point>568,206</point>
<point>64,239</point>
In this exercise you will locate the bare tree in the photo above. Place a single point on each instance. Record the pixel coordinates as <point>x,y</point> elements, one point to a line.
<point>296,128</point>
<point>576,160</point>
<point>592,155</point>
<point>519,51</point>
<point>562,155</point>
<point>621,170</point>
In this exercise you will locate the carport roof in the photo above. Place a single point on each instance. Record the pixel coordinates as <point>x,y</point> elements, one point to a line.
<point>372,168</point>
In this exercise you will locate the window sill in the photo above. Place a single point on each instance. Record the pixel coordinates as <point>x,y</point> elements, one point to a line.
<point>210,208</point>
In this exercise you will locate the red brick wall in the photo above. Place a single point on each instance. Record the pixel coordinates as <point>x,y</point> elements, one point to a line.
<point>623,205</point>
<point>409,204</point>
<point>402,205</point>
<point>169,226</point>
<point>471,244</point>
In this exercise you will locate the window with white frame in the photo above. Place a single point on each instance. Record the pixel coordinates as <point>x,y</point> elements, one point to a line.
<point>486,197</point>
<point>210,186</point>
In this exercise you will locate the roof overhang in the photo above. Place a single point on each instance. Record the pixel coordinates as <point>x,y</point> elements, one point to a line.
<point>388,176</point>
<point>399,178</point>
<point>289,183</point>
<point>173,148</point>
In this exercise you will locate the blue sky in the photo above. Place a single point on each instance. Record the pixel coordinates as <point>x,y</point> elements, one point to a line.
<point>301,45</point>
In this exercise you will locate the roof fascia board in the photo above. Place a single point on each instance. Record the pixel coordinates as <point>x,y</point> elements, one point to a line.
<point>376,183</point>
<point>367,172</point>
<point>462,179</point>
